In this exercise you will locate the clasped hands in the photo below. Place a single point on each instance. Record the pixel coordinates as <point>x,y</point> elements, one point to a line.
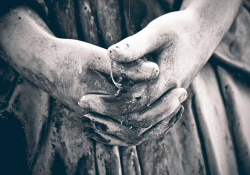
<point>69,70</point>
<point>150,107</point>
<point>78,73</point>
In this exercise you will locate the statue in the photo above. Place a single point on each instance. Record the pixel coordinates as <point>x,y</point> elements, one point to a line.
<point>89,110</point>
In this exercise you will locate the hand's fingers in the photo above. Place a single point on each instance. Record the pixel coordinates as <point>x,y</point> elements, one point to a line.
<point>103,138</point>
<point>129,133</point>
<point>97,59</point>
<point>101,104</point>
<point>134,47</point>
<point>159,110</point>
<point>156,131</point>
<point>118,107</point>
<point>115,107</point>
<point>137,70</point>
<point>105,125</point>
<point>164,110</point>
<point>108,126</point>
<point>163,126</point>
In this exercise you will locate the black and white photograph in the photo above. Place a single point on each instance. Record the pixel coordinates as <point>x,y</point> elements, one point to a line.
<point>124,87</point>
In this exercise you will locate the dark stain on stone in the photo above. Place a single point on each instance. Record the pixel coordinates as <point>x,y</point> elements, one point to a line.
<point>13,145</point>
<point>184,124</point>
<point>85,165</point>
<point>58,166</point>
<point>138,98</point>
<point>137,10</point>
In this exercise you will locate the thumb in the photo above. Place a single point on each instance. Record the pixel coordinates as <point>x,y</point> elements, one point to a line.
<point>134,47</point>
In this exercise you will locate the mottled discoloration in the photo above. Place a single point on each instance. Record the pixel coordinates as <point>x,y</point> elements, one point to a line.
<point>63,13</point>
<point>130,160</point>
<point>235,90</point>
<point>108,159</point>
<point>67,147</point>
<point>34,118</point>
<point>178,152</point>
<point>109,19</point>
<point>214,123</point>
<point>87,20</point>
<point>64,138</point>
<point>7,84</point>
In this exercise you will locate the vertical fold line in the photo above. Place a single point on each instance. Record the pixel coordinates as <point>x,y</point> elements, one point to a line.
<point>203,147</point>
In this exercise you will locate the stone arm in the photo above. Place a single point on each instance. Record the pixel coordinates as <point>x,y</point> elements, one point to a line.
<point>66,69</point>
<point>69,69</point>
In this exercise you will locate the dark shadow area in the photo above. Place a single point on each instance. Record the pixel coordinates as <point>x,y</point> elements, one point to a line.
<point>13,154</point>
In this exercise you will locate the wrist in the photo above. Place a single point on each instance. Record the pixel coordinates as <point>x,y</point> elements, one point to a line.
<point>29,47</point>
<point>24,41</point>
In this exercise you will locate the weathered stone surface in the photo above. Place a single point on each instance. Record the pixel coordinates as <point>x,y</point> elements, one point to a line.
<point>179,152</point>
<point>130,160</point>
<point>108,159</point>
<point>233,54</point>
<point>237,99</point>
<point>65,150</point>
<point>170,5</point>
<point>8,79</point>
<point>153,9</point>
<point>233,51</point>
<point>213,122</point>
<point>57,145</point>
<point>63,20</point>
<point>41,8</point>
<point>13,147</point>
<point>109,20</point>
<point>87,21</point>
<point>134,13</point>
<point>31,106</point>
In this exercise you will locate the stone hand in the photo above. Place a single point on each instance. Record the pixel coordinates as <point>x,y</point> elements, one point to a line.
<point>173,41</point>
<point>167,112</point>
<point>66,69</point>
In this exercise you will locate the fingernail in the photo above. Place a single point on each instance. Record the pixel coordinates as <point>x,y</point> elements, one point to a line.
<point>116,52</point>
<point>183,97</point>
<point>155,72</point>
